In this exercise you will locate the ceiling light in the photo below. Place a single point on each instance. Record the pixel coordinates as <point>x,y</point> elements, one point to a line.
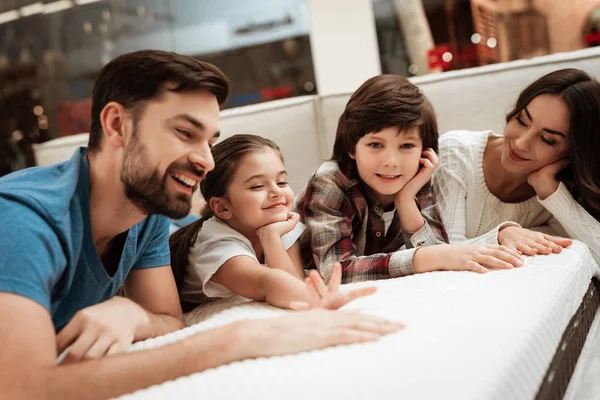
<point>32,9</point>
<point>84,2</point>
<point>9,16</point>
<point>57,6</point>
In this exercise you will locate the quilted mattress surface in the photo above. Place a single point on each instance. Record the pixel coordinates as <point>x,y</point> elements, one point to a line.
<point>467,336</point>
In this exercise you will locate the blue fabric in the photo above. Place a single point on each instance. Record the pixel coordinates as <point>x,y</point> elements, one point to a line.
<point>180,223</point>
<point>47,252</point>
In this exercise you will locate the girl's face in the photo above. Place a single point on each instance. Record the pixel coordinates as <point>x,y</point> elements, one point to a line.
<point>537,136</point>
<point>387,160</point>
<point>259,193</point>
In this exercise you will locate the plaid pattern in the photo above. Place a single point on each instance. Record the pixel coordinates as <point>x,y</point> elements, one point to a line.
<point>345,223</point>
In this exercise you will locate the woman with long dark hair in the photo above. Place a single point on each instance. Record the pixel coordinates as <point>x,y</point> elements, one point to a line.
<point>543,173</point>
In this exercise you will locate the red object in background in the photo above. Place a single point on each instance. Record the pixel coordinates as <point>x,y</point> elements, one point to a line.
<point>275,93</point>
<point>435,59</point>
<point>467,57</point>
<point>74,117</point>
<point>592,38</point>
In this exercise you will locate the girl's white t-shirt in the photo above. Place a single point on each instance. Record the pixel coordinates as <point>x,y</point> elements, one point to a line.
<point>215,245</point>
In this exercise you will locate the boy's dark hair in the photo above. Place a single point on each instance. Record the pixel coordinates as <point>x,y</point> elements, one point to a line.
<point>581,93</point>
<point>133,78</point>
<point>381,102</point>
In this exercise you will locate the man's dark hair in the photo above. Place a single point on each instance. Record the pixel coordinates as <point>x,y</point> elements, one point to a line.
<point>133,78</point>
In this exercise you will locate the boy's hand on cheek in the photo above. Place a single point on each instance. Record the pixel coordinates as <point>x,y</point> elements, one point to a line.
<point>429,162</point>
<point>410,216</point>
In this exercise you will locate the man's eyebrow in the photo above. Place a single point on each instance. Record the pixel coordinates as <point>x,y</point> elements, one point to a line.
<point>197,124</point>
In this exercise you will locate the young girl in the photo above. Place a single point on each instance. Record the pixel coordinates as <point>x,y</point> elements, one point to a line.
<point>374,196</point>
<point>246,224</point>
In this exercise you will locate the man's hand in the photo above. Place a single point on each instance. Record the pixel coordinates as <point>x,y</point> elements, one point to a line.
<point>544,180</point>
<point>28,356</point>
<point>104,329</point>
<point>530,242</point>
<point>329,296</point>
<point>310,330</point>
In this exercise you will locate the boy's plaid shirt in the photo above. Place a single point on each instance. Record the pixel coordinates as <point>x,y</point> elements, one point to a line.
<point>345,223</point>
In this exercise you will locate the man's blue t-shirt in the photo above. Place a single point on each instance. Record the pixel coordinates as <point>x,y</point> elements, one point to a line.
<point>47,251</point>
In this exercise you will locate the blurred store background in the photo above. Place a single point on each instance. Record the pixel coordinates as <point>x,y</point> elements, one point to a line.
<point>51,51</point>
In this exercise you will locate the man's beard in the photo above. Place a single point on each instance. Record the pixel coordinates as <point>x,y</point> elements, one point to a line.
<point>146,189</point>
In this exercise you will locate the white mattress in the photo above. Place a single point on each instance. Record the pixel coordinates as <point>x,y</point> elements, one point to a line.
<point>467,336</point>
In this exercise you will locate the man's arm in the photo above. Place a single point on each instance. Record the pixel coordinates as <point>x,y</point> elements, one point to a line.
<point>28,356</point>
<point>154,289</point>
<point>151,309</point>
<point>152,286</point>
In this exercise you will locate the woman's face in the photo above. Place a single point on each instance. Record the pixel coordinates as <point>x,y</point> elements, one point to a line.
<point>537,136</point>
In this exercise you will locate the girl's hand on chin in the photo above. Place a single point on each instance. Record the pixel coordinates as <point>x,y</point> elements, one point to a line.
<point>279,228</point>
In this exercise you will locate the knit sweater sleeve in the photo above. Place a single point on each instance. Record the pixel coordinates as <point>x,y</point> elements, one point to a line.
<point>575,220</point>
<point>451,184</point>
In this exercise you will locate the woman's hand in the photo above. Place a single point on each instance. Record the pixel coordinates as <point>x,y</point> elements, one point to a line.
<point>544,180</point>
<point>530,242</point>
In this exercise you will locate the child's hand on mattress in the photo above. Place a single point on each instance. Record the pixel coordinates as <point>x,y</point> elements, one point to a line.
<point>329,296</point>
<point>101,330</point>
<point>465,257</point>
<point>279,228</point>
<point>530,242</point>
